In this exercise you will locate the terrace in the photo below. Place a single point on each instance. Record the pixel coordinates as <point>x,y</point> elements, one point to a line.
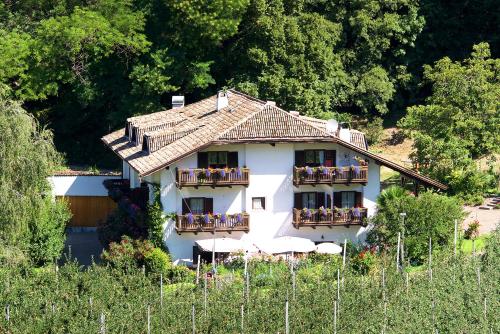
<point>213,177</point>
<point>212,223</point>
<point>330,218</point>
<point>330,175</point>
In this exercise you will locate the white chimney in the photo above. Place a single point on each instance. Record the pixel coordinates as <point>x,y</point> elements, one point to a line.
<point>177,101</point>
<point>271,103</point>
<point>222,100</point>
<point>344,133</point>
<point>294,113</point>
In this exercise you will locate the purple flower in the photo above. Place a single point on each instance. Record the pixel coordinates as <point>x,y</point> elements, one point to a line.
<point>207,173</point>
<point>323,212</point>
<point>238,172</point>
<point>206,218</point>
<point>239,218</point>
<point>308,213</point>
<point>190,218</point>
<point>223,218</point>
<point>309,171</point>
<point>191,173</point>
<point>325,171</point>
<point>356,213</point>
<point>356,170</point>
<point>222,173</point>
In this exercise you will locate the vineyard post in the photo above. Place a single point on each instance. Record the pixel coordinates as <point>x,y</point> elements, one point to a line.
<point>103,324</point>
<point>144,270</point>
<point>247,280</point>
<point>343,258</point>
<point>7,313</point>
<point>287,327</point>
<point>430,253</point>
<point>205,295</point>
<point>246,266</point>
<point>149,319</point>
<point>193,318</point>
<point>478,277</point>
<point>455,239</point>
<point>397,252</point>
<point>403,215</point>
<point>90,305</point>
<point>335,317</point>
<point>338,287</point>
<point>198,270</point>
<point>161,291</point>
<point>385,318</point>
<point>242,317</point>
<point>293,284</point>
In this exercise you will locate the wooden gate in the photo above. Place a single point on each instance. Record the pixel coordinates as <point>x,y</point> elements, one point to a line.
<point>88,210</point>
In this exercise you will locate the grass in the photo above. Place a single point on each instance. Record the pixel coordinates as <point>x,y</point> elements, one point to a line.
<point>479,242</point>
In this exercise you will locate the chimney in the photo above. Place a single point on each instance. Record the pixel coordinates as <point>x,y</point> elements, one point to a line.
<point>177,101</point>
<point>294,113</point>
<point>222,100</point>
<point>344,132</point>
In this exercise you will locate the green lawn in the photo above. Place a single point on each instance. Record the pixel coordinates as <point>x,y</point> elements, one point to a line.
<point>479,244</point>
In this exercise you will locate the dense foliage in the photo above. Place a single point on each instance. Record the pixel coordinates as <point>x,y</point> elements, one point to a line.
<point>459,122</point>
<point>429,215</point>
<point>29,218</point>
<point>83,66</point>
<point>461,295</point>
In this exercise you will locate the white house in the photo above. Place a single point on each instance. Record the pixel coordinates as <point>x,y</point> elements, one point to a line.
<point>235,166</point>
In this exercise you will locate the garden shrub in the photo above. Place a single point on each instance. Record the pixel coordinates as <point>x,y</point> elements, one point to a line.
<point>128,253</point>
<point>363,261</point>
<point>472,230</point>
<point>120,223</point>
<point>47,233</point>
<point>428,215</point>
<point>157,261</point>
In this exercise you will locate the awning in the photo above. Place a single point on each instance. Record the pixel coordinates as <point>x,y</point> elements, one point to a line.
<point>225,245</point>
<point>328,248</point>
<point>287,245</point>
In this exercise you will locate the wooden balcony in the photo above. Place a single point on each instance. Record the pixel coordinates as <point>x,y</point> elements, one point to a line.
<point>337,217</point>
<point>330,175</point>
<point>214,177</point>
<point>217,223</point>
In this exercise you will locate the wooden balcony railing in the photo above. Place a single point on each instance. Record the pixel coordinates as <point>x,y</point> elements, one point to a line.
<point>195,177</point>
<point>213,223</point>
<point>313,218</point>
<point>330,175</point>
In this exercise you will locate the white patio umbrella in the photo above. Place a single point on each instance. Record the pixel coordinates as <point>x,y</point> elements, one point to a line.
<point>287,245</point>
<point>328,248</point>
<point>225,245</point>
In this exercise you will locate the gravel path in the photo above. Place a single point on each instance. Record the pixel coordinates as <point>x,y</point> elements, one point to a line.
<point>488,219</point>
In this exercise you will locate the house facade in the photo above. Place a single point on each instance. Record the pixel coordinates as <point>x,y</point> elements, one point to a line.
<point>235,166</point>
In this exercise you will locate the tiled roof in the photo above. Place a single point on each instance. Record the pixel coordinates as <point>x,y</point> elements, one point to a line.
<point>154,141</point>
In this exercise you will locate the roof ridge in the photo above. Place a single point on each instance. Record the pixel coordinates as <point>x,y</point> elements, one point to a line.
<point>243,120</point>
<point>232,90</point>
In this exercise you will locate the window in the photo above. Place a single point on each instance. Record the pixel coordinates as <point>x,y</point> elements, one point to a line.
<point>258,203</point>
<point>348,199</point>
<point>314,157</point>
<point>309,200</point>
<point>217,159</point>
<point>196,205</point>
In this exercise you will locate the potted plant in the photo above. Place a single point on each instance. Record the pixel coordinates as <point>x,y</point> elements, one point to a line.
<point>190,218</point>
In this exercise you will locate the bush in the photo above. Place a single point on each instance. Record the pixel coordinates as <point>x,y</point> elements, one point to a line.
<point>373,130</point>
<point>472,230</point>
<point>128,253</point>
<point>364,261</point>
<point>157,261</point>
<point>155,220</point>
<point>428,215</point>
<point>120,223</point>
<point>47,233</point>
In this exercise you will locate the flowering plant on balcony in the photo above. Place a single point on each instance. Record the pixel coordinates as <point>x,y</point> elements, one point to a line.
<point>190,218</point>
<point>356,213</point>
<point>306,213</point>
<point>361,161</point>
<point>191,172</point>
<point>207,218</point>
<point>223,218</point>
<point>309,171</point>
<point>239,218</point>
<point>323,212</point>
<point>238,172</point>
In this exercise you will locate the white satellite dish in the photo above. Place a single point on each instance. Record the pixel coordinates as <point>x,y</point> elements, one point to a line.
<point>332,125</point>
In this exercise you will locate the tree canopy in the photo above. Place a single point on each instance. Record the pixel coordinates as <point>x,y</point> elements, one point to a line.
<point>82,66</point>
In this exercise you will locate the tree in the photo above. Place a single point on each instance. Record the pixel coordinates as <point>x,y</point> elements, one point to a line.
<point>29,219</point>
<point>459,122</point>
<point>430,215</point>
<point>320,56</point>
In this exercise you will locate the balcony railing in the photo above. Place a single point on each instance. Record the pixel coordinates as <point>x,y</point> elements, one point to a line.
<point>214,177</point>
<point>313,218</point>
<point>330,175</point>
<point>213,223</point>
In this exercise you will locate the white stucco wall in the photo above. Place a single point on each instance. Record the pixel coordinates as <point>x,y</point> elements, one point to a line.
<point>79,185</point>
<point>271,169</point>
